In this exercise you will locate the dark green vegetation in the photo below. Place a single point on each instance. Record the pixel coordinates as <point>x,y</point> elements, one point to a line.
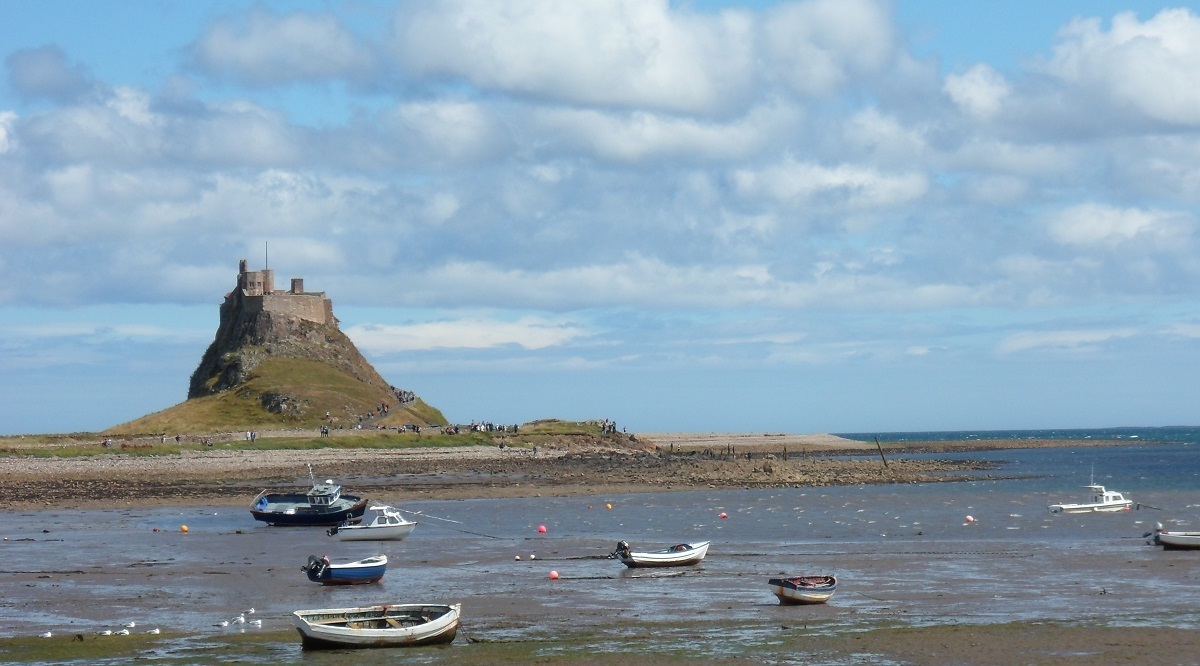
<point>284,393</point>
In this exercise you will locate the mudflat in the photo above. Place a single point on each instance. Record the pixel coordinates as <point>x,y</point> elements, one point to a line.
<point>513,613</point>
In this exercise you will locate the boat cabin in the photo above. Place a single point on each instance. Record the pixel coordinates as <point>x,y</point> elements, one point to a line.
<point>1102,496</point>
<point>324,494</point>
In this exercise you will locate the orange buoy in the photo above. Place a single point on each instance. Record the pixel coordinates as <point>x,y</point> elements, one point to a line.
<point>183,528</point>
<point>608,506</point>
<point>553,575</point>
<point>970,519</point>
<point>541,529</point>
<point>723,515</point>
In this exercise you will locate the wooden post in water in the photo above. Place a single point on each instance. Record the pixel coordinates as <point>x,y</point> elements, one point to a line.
<point>880,447</point>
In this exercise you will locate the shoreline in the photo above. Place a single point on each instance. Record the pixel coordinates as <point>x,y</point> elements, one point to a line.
<point>230,475</point>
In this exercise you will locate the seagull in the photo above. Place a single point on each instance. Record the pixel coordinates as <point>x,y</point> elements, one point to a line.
<point>131,625</point>
<point>240,619</point>
<point>153,631</point>
<point>106,632</point>
<point>45,635</point>
<point>248,611</point>
<point>222,623</point>
<point>123,632</point>
<point>257,623</point>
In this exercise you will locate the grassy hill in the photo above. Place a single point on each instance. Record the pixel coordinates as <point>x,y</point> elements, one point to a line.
<point>283,393</point>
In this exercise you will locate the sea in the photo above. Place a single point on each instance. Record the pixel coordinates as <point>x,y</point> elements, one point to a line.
<point>981,551</point>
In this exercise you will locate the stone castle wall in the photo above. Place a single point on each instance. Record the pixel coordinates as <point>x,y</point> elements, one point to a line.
<point>258,295</point>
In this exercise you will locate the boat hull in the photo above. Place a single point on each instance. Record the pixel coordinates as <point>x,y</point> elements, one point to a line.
<point>386,525</point>
<point>362,572</point>
<point>803,590</point>
<point>1178,540</point>
<point>1090,508</point>
<point>394,625</point>
<point>682,555</point>
<point>292,510</point>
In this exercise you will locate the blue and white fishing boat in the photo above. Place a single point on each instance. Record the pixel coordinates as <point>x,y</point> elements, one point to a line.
<point>323,505</point>
<point>361,572</point>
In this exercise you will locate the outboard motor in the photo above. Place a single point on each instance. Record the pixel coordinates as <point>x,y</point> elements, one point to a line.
<point>622,550</point>
<point>316,566</point>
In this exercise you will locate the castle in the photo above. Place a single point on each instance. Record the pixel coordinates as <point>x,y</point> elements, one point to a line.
<point>256,291</point>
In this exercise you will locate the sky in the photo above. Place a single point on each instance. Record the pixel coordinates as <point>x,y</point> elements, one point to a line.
<point>695,216</point>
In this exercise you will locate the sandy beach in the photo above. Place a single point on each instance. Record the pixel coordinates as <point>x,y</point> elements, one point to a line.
<point>514,616</point>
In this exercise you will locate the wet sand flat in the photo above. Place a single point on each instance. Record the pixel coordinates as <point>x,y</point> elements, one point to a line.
<point>918,585</point>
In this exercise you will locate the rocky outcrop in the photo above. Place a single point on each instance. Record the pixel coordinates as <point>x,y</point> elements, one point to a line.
<point>248,336</point>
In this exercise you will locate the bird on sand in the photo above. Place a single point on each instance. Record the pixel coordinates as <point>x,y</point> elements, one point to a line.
<point>106,632</point>
<point>153,631</point>
<point>131,625</point>
<point>45,635</point>
<point>239,619</point>
<point>257,623</point>
<point>248,611</point>
<point>123,632</point>
<point>222,623</point>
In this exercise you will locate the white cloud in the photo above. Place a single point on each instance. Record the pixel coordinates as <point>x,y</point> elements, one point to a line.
<point>979,91</point>
<point>1071,340</point>
<point>623,53</point>
<point>263,47</point>
<point>885,137</point>
<point>817,47</point>
<point>1100,225</point>
<point>1152,67</point>
<point>638,136</point>
<point>446,132</point>
<point>474,332</point>
<point>848,185</point>
<point>7,120</point>
<point>1183,330</point>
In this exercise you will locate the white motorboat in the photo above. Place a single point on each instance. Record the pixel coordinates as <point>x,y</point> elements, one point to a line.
<point>1172,540</point>
<point>386,525</point>
<point>1101,501</point>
